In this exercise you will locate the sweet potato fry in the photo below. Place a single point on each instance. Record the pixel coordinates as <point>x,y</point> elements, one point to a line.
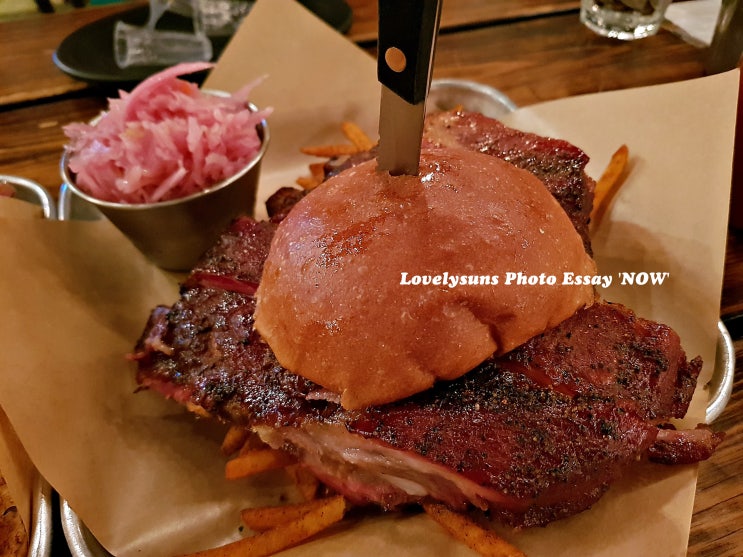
<point>474,536</point>
<point>316,177</point>
<point>198,410</point>
<point>260,519</point>
<point>609,183</point>
<point>255,462</point>
<point>285,535</point>
<point>329,151</point>
<point>234,439</point>
<point>317,171</point>
<point>307,182</point>
<point>252,443</point>
<point>356,136</point>
<point>305,481</point>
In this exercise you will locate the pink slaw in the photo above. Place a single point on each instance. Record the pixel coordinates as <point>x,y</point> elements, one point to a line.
<point>166,139</point>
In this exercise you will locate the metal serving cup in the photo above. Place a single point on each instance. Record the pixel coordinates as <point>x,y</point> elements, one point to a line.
<point>174,234</point>
<point>446,94</point>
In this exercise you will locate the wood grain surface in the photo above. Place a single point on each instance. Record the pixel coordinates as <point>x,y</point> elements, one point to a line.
<point>552,57</point>
<point>717,522</point>
<point>456,14</point>
<point>32,137</point>
<point>27,70</point>
<point>28,73</point>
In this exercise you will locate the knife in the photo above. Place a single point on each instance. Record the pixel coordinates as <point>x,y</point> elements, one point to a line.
<point>407,36</point>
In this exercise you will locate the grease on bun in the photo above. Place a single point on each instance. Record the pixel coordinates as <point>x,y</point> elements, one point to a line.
<point>331,304</point>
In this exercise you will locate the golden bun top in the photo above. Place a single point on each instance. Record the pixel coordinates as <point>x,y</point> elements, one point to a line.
<point>362,289</point>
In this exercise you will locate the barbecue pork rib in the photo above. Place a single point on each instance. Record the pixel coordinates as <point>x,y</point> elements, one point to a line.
<point>533,436</point>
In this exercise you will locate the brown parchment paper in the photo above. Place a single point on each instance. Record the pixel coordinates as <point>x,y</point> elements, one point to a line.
<point>314,80</point>
<point>147,478</point>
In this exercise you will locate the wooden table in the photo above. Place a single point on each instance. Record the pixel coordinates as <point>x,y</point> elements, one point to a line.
<point>533,51</point>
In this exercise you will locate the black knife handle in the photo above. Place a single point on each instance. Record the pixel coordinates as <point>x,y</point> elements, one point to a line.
<point>410,26</point>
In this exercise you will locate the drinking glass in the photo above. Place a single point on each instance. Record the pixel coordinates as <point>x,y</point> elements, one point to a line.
<point>222,17</point>
<point>142,46</point>
<point>145,45</point>
<point>623,19</point>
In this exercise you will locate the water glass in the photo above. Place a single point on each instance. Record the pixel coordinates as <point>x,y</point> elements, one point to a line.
<point>145,46</point>
<point>221,17</point>
<point>623,19</point>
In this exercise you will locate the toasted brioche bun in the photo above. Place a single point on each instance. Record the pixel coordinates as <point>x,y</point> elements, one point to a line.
<point>331,304</point>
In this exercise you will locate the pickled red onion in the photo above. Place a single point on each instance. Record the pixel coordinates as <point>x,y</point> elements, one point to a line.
<point>166,139</point>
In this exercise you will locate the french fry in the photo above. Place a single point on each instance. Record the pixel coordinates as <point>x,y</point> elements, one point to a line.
<point>234,439</point>
<point>198,410</point>
<point>483,541</point>
<point>252,443</point>
<point>307,182</point>
<point>359,142</point>
<point>255,462</point>
<point>609,183</point>
<point>356,136</point>
<point>329,151</point>
<point>316,177</point>
<point>317,171</point>
<point>285,535</point>
<point>305,481</point>
<point>260,519</point>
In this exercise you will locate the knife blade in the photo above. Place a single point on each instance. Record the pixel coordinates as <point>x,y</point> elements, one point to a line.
<point>407,37</point>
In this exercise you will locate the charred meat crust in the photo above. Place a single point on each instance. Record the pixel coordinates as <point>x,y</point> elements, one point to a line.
<point>636,359</point>
<point>537,434</point>
<point>532,436</point>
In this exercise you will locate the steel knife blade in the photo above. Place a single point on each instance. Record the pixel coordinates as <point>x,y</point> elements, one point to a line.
<point>407,37</point>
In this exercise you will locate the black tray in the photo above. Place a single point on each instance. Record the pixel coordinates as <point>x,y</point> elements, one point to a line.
<point>88,53</point>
